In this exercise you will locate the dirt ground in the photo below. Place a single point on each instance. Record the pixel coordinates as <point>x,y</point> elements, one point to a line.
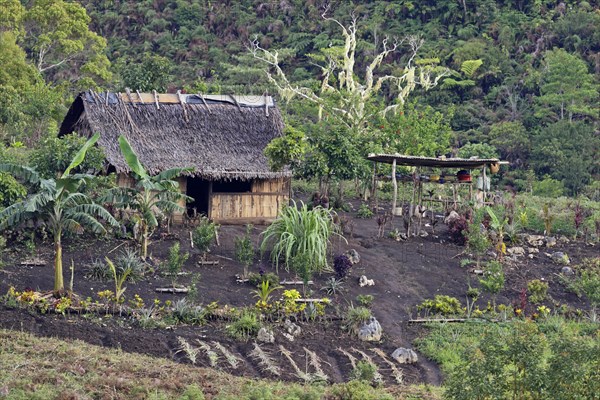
<point>405,273</point>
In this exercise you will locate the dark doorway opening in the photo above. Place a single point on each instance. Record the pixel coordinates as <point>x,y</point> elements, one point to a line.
<point>199,190</point>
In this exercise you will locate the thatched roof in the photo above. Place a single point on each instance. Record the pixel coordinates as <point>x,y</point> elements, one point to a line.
<point>222,137</point>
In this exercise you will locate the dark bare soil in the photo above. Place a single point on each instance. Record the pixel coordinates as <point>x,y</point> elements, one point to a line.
<point>405,273</point>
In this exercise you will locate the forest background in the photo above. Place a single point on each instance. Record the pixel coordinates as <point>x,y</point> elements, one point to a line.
<point>517,79</point>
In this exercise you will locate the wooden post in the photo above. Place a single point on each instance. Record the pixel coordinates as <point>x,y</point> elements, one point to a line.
<point>395,183</point>
<point>483,186</point>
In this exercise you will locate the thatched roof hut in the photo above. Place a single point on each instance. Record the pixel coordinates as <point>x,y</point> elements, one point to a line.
<point>221,136</point>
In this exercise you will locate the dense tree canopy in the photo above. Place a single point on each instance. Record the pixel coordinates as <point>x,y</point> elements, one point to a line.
<point>523,75</point>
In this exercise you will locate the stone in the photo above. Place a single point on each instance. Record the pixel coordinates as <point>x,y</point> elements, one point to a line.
<point>533,250</point>
<point>265,336</point>
<point>423,234</point>
<point>453,216</point>
<point>288,336</point>
<point>353,256</point>
<point>371,331</point>
<point>534,240</point>
<point>363,281</point>
<point>405,356</point>
<point>516,251</point>
<point>560,258</point>
<point>292,328</point>
<point>550,241</point>
<point>567,271</point>
<point>564,240</point>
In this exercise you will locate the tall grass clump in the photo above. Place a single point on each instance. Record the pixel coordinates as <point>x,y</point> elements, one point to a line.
<point>300,231</point>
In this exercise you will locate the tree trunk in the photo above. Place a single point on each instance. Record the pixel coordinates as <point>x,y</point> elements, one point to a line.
<point>145,241</point>
<point>59,285</point>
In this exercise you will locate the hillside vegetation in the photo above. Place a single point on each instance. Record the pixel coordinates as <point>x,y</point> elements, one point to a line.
<point>522,79</point>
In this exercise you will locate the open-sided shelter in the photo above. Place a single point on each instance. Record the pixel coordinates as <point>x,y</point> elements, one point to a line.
<point>222,137</point>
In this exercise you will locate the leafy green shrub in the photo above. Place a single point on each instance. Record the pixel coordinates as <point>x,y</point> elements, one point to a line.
<point>364,211</point>
<point>257,279</point>
<point>175,262</point>
<point>443,305</point>
<point>192,392</point>
<point>55,154</point>
<point>357,390</point>
<point>587,280</point>
<point>204,235</point>
<point>10,190</point>
<point>477,237</point>
<point>244,326</point>
<point>244,249</point>
<point>537,290</point>
<point>365,300</point>
<point>548,187</point>
<point>300,231</point>
<point>356,317</point>
<point>493,279</point>
<point>364,371</point>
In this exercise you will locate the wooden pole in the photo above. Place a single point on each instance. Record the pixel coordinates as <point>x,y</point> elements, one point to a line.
<point>395,183</point>
<point>483,184</point>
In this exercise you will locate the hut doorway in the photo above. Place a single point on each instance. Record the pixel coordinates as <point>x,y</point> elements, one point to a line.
<point>199,190</point>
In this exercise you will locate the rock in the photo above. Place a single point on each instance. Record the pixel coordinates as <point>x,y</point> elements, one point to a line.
<point>288,336</point>
<point>534,240</point>
<point>567,270</point>
<point>265,336</point>
<point>423,234</point>
<point>533,250</point>
<point>363,281</point>
<point>292,328</point>
<point>371,331</point>
<point>405,356</point>
<point>564,240</point>
<point>453,216</point>
<point>550,241</point>
<point>353,256</point>
<point>516,251</point>
<point>560,258</point>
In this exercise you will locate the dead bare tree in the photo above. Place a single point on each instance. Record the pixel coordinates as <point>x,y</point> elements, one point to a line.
<point>353,94</point>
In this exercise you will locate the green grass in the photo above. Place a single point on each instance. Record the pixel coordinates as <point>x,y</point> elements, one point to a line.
<point>49,368</point>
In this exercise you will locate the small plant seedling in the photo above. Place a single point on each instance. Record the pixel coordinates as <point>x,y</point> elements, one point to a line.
<point>175,262</point>
<point>244,250</point>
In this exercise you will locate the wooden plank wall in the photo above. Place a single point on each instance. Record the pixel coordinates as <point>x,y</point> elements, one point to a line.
<point>279,185</point>
<point>246,207</point>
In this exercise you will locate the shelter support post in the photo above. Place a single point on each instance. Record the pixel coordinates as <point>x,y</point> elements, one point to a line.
<point>395,183</point>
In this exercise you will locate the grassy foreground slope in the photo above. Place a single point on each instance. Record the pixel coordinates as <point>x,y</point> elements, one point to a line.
<point>48,368</point>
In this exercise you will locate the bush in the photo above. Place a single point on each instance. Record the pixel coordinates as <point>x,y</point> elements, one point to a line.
<point>357,390</point>
<point>341,266</point>
<point>587,280</point>
<point>244,326</point>
<point>175,262</point>
<point>257,279</point>
<point>11,191</point>
<point>537,290</point>
<point>204,235</point>
<point>186,312</point>
<point>364,211</point>
<point>300,231</point>
<point>356,317</point>
<point>364,372</point>
<point>244,249</point>
<point>127,260</point>
<point>493,279</point>
<point>549,187</point>
<point>443,305</point>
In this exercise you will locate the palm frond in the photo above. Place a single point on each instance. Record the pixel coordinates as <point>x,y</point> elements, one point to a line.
<point>97,210</point>
<point>28,175</point>
<point>169,174</point>
<point>84,219</point>
<point>132,159</point>
<point>80,156</point>
<point>14,215</point>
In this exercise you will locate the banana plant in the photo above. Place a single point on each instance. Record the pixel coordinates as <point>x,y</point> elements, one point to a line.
<point>499,227</point>
<point>59,203</point>
<point>151,196</point>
